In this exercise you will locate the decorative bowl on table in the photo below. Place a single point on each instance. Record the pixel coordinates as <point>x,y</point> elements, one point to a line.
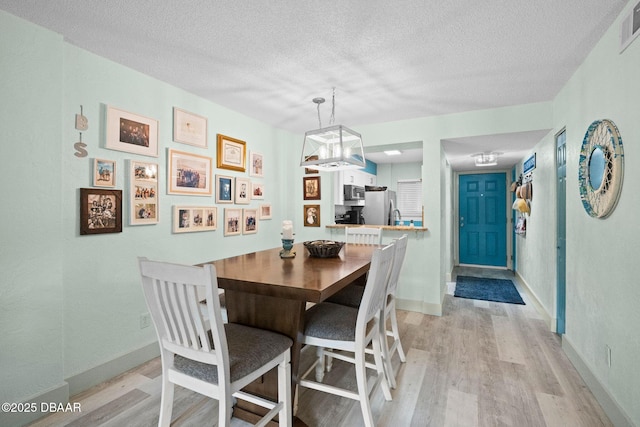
<point>323,248</point>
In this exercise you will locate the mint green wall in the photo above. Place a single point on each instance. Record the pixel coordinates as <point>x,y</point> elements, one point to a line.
<point>423,289</point>
<point>536,257</point>
<point>31,256</point>
<point>602,287</point>
<point>102,304</point>
<point>602,284</point>
<point>70,303</point>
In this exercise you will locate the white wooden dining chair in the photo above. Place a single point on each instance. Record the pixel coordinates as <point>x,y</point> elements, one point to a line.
<point>389,314</point>
<point>204,354</point>
<point>363,235</point>
<point>335,328</point>
<point>352,297</point>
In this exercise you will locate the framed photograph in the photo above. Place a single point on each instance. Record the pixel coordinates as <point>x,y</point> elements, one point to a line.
<point>189,128</point>
<point>311,187</point>
<point>243,191</point>
<point>232,221</point>
<point>257,190</point>
<point>224,189</point>
<point>104,173</point>
<point>189,174</point>
<point>255,164</point>
<point>311,215</point>
<point>265,211</point>
<point>131,133</point>
<point>189,219</point>
<point>307,170</point>
<point>143,193</point>
<point>231,153</point>
<point>100,211</point>
<point>249,221</point>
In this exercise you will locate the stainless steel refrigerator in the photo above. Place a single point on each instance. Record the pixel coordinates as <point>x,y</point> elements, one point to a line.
<point>378,207</point>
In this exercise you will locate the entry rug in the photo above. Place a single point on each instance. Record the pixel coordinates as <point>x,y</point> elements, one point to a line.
<point>482,288</point>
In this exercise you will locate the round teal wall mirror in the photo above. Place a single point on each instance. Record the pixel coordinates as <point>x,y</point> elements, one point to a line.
<point>601,168</point>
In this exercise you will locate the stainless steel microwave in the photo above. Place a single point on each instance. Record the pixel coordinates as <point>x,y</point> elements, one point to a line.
<point>353,192</point>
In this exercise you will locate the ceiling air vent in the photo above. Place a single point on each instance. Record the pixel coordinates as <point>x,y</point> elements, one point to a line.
<point>630,27</point>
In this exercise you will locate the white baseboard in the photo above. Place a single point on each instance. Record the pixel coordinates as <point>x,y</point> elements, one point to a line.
<point>57,394</point>
<point>85,380</point>
<point>549,320</point>
<point>419,307</point>
<point>616,414</point>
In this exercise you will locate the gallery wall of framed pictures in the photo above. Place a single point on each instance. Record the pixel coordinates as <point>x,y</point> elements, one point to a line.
<point>189,172</point>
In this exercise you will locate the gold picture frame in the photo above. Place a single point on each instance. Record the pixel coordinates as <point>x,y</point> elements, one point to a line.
<point>231,153</point>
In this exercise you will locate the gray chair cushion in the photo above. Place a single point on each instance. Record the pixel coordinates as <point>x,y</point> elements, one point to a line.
<point>249,349</point>
<point>350,296</point>
<point>331,321</point>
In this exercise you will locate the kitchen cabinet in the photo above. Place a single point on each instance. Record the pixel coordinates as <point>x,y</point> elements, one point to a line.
<point>350,177</point>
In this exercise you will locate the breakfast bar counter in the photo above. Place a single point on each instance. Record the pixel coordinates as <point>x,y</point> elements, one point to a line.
<point>384,227</point>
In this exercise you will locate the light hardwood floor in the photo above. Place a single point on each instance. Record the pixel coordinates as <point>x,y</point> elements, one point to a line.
<point>480,364</point>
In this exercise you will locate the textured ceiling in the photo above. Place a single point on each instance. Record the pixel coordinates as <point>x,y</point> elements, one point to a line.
<point>388,60</point>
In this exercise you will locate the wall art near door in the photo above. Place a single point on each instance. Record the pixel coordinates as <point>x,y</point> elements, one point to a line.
<point>143,193</point>
<point>100,211</point>
<point>189,128</point>
<point>189,219</point>
<point>231,153</point>
<point>131,133</point>
<point>104,173</point>
<point>189,174</point>
<point>312,216</point>
<point>601,168</point>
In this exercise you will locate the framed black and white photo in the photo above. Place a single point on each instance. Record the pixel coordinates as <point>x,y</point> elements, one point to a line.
<point>100,211</point>
<point>242,191</point>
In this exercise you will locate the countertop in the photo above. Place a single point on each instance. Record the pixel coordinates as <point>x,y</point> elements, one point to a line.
<point>384,227</point>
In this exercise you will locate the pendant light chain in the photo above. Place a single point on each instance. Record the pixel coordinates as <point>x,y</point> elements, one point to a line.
<point>333,108</point>
<point>319,121</point>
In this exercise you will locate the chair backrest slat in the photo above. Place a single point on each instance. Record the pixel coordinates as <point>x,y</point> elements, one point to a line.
<point>172,298</point>
<point>375,289</point>
<point>363,235</point>
<point>398,260</point>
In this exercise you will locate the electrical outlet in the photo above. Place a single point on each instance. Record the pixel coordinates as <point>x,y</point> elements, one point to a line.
<point>608,356</point>
<point>145,320</point>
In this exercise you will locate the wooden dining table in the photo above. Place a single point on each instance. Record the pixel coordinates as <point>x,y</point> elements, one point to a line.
<point>269,292</point>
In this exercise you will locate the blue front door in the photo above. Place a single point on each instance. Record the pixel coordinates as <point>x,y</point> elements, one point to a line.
<point>483,219</point>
